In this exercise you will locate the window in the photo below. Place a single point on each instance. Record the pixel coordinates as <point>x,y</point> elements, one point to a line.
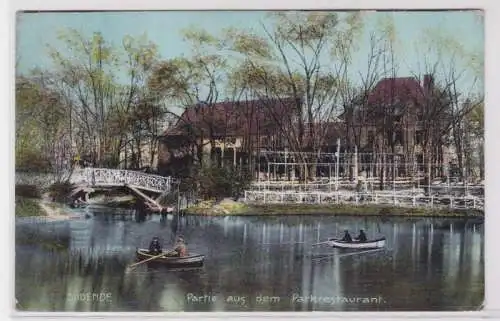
<point>398,137</point>
<point>419,137</point>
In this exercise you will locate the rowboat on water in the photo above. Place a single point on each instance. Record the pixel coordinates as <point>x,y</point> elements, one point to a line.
<point>192,260</point>
<point>354,244</point>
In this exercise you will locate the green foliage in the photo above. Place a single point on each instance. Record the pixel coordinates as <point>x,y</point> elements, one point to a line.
<point>219,182</point>
<point>40,120</point>
<point>105,88</point>
<point>60,191</point>
<point>25,207</point>
<point>30,191</point>
<point>29,158</point>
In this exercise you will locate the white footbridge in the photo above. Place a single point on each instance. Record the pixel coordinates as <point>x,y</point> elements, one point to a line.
<point>106,177</point>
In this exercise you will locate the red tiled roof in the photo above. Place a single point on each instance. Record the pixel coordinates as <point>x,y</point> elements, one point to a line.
<point>235,118</point>
<point>397,90</point>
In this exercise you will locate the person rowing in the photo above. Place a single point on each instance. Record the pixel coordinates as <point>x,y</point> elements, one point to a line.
<point>180,249</point>
<point>362,236</point>
<point>347,237</point>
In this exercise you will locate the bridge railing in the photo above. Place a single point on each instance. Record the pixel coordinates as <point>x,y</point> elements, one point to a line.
<point>107,176</point>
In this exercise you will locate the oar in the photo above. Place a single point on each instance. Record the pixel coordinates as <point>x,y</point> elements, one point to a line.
<point>147,260</point>
<point>326,242</point>
<point>291,243</point>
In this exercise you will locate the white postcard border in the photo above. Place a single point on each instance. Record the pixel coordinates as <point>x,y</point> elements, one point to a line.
<point>492,135</point>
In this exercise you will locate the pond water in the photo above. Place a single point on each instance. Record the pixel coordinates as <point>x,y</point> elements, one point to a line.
<point>252,264</point>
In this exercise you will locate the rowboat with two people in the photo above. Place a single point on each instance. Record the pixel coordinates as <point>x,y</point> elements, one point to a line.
<point>178,257</point>
<point>361,242</point>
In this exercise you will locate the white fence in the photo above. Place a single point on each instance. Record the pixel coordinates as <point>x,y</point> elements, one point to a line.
<point>399,187</point>
<point>354,198</point>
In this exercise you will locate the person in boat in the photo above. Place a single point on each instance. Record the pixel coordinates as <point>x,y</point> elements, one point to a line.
<point>362,236</point>
<point>347,237</point>
<point>155,246</point>
<point>180,248</point>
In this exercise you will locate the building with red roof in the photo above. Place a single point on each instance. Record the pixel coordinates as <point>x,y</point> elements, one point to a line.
<point>391,114</point>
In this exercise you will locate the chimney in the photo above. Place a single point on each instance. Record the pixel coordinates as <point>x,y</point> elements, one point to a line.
<point>428,82</point>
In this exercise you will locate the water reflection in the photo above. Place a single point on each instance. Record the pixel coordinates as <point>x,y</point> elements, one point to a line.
<point>253,264</point>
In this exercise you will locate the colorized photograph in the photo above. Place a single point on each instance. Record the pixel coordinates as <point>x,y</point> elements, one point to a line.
<point>249,161</point>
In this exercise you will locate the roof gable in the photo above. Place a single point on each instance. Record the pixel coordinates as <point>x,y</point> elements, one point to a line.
<point>234,118</point>
<point>396,90</point>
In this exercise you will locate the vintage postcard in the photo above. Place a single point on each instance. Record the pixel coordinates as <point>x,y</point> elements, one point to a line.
<point>249,161</point>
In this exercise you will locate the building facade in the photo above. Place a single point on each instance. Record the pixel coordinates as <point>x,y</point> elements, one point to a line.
<point>400,124</point>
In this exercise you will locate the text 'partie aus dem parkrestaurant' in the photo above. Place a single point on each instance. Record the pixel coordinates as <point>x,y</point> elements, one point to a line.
<point>295,298</point>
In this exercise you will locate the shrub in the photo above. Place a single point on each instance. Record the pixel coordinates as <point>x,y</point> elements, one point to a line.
<point>385,211</point>
<point>31,161</point>
<point>60,191</point>
<point>30,191</point>
<point>219,182</point>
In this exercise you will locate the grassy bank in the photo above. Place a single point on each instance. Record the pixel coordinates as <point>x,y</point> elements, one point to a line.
<point>234,208</point>
<point>28,207</point>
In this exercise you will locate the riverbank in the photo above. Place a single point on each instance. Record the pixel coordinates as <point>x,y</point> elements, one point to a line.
<point>33,201</point>
<point>228,207</point>
<point>26,207</point>
<point>39,210</point>
<point>33,207</point>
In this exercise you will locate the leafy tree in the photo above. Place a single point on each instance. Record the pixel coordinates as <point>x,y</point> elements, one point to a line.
<point>104,84</point>
<point>41,131</point>
<point>289,61</point>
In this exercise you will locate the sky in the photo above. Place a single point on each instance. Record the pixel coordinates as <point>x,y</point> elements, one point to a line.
<point>36,30</point>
